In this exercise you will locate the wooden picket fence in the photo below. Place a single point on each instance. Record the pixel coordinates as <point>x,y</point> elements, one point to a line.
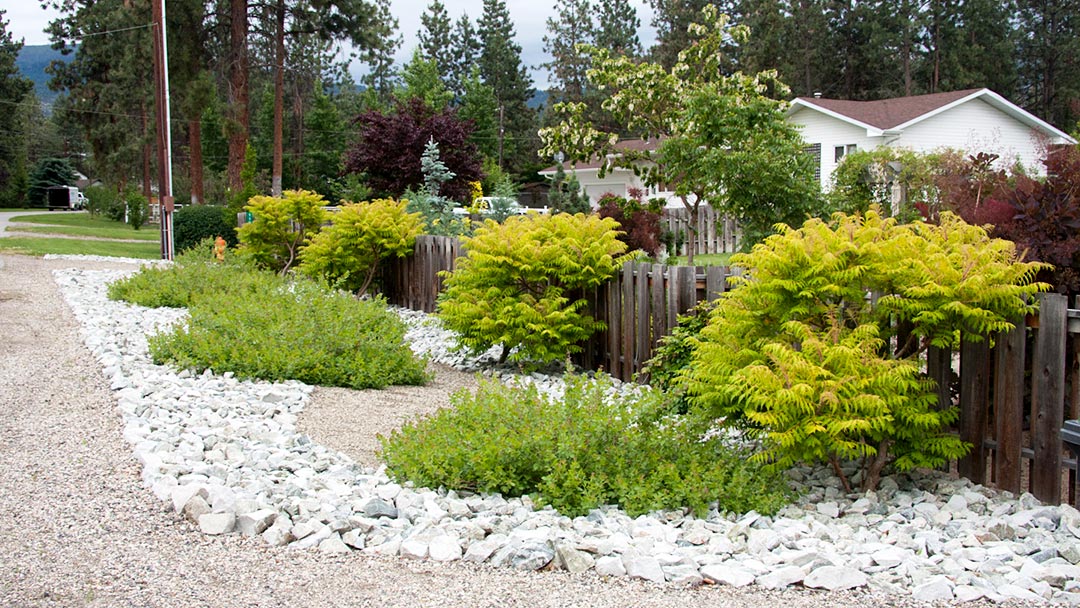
<point>1013,396</point>
<point>715,233</point>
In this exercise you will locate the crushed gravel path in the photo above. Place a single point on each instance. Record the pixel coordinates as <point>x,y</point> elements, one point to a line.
<point>79,529</point>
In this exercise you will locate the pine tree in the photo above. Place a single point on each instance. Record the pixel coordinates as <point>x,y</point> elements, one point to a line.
<point>436,41</point>
<point>466,46</point>
<point>571,26</point>
<point>478,104</point>
<point>617,27</point>
<point>14,90</point>
<point>671,18</point>
<point>1049,70</point>
<point>501,68</point>
<point>421,80</point>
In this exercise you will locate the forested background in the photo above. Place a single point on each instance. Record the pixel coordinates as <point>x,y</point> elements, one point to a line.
<point>263,100</point>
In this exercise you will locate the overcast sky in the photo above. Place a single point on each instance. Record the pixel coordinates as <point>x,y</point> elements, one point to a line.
<point>26,20</point>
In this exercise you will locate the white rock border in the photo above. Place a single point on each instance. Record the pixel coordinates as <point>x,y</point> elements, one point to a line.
<point>227,455</point>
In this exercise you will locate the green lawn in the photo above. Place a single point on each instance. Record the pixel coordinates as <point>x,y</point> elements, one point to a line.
<point>703,259</point>
<point>42,246</point>
<point>121,231</point>
<point>80,220</point>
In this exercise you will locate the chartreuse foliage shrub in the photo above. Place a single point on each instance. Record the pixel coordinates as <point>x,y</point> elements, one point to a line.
<point>577,453</point>
<point>521,283</point>
<point>281,226</point>
<point>360,236</point>
<point>194,275</point>
<point>803,358</point>
<point>276,329</point>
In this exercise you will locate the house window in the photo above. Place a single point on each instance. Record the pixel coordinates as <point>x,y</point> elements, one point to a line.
<point>814,150</point>
<point>840,151</point>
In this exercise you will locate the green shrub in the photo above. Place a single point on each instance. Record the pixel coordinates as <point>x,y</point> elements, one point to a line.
<point>281,226</point>
<point>348,253</point>
<point>275,329</point>
<point>102,200</point>
<point>195,275</point>
<point>193,223</point>
<point>137,207</point>
<point>799,355</point>
<point>578,453</point>
<point>521,284</point>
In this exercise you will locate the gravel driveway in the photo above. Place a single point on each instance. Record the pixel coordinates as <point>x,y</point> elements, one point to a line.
<point>79,529</point>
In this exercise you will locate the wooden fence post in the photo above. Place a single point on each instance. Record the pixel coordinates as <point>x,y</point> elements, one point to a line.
<point>974,401</point>
<point>1048,396</point>
<point>1009,405</point>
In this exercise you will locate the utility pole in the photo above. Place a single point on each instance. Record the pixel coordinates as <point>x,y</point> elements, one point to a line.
<point>164,133</point>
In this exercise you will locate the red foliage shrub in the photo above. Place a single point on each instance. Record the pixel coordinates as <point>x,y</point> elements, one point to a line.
<point>640,227</point>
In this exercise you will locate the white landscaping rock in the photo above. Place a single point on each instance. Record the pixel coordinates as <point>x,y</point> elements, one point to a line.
<point>217,523</point>
<point>835,578</point>
<point>728,575</point>
<point>782,577</point>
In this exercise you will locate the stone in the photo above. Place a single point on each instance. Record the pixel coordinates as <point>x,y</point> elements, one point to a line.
<point>890,557</point>
<point>644,567</point>
<point>180,495</point>
<point>968,593</point>
<point>354,538</point>
<point>781,577</point>
<point>572,560</point>
<point>829,509</point>
<point>445,549</point>
<point>334,544</point>
<point>255,522</point>
<point>377,507</point>
<point>196,507</point>
<point>414,548</point>
<point>1017,592</point>
<point>278,534</point>
<point>480,551</point>
<point>610,565</point>
<point>683,575</point>
<point>217,523</point>
<point>762,541</point>
<point>726,574</point>
<point>937,589</point>
<point>835,578</point>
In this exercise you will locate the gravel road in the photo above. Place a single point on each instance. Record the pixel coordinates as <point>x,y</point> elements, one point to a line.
<point>79,529</point>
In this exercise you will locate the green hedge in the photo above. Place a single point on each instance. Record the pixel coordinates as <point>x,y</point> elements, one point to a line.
<point>194,223</point>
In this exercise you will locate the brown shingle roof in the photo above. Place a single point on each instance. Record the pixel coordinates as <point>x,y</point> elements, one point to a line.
<point>889,113</point>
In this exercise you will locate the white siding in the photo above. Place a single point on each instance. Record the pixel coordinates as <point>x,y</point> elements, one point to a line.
<point>974,127</point>
<point>819,128</point>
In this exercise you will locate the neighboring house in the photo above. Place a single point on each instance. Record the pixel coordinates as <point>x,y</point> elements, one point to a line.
<point>974,120</point>
<point>618,180</point>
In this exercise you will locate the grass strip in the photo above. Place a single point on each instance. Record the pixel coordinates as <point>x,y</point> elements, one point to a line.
<point>43,246</point>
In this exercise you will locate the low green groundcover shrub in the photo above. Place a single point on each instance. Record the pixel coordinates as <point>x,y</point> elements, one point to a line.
<point>195,274</point>
<point>578,453</point>
<point>280,330</point>
<point>259,325</point>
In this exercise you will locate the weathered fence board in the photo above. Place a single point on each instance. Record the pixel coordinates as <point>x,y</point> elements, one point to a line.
<point>1048,396</point>
<point>1009,406</point>
<point>974,395</point>
<point>714,233</point>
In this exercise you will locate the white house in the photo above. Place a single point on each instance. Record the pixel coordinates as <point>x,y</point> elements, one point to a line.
<point>974,120</point>
<point>618,180</point>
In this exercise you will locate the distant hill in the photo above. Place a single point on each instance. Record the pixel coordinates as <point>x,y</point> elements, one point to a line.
<point>32,61</point>
<point>538,100</point>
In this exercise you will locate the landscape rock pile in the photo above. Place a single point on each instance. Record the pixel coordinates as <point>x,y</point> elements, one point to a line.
<point>226,454</point>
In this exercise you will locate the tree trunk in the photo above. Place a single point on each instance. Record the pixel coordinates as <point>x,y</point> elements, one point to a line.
<point>239,119</point>
<point>279,98</point>
<point>196,169</point>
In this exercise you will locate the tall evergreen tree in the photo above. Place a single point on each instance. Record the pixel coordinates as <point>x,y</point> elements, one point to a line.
<point>465,45</point>
<point>671,18</point>
<point>421,80</point>
<point>501,68</point>
<point>617,26</point>
<point>571,27</point>
<point>436,41</point>
<point>14,90</point>
<point>478,105</point>
<point>1049,59</point>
